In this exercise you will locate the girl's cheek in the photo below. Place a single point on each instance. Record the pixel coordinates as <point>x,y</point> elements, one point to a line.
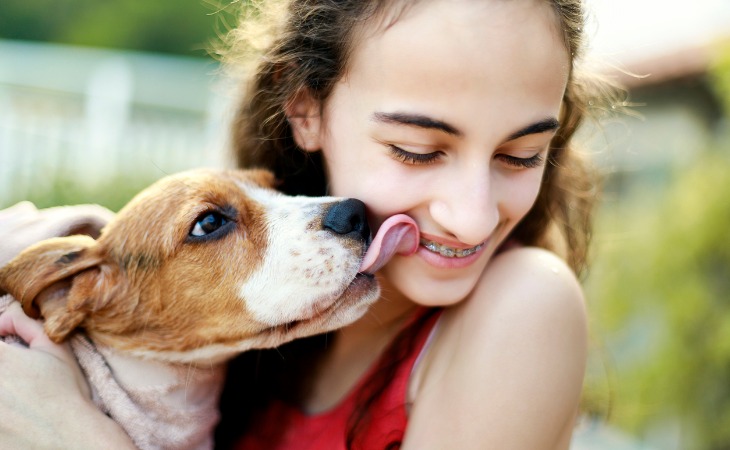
<point>520,194</point>
<point>377,187</point>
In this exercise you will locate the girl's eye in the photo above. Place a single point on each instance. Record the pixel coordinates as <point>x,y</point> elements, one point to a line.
<point>521,163</point>
<point>208,223</point>
<point>411,158</point>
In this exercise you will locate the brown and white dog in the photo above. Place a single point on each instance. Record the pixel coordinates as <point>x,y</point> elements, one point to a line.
<point>197,268</point>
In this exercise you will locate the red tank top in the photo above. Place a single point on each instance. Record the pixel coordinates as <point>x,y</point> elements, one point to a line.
<point>286,427</point>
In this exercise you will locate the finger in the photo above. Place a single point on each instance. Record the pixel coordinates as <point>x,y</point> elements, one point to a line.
<point>14,322</point>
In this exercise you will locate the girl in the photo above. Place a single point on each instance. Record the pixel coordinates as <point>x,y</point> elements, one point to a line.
<point>459,114</point>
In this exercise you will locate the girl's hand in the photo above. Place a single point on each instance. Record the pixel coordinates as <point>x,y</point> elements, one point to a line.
<point>23,224</point>
<point>44,398</point>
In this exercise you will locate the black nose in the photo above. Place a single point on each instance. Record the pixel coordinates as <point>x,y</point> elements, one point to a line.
<point>347,218</point>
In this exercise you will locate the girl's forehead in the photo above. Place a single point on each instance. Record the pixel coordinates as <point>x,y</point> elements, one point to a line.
<point>494,59</point>
<point>390,12</point>
<point>475,30</point>
<point>453,19</point>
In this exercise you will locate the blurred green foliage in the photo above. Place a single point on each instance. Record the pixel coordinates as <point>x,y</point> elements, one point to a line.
<point>660,301</point>
<point>721,76</point>
<point>172,26</point>
<point>113,193</point>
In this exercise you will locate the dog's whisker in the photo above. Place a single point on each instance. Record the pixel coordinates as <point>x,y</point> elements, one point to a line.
<point>188,378</point>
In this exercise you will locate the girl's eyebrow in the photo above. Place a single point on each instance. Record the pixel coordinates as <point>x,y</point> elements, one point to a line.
<point>416,120</point>
<point>422,121</point>
<point>549,124</point>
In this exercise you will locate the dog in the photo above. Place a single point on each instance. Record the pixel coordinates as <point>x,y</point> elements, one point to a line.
<point>199,267</point>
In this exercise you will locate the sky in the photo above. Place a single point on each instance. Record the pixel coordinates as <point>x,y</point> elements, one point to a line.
<point>623,30</point>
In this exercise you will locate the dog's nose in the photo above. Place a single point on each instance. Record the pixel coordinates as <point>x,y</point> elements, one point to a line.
<point>347,218</point>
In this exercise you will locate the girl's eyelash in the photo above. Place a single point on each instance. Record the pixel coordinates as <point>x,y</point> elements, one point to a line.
<point>428,158</point>
<point>413,158</point>
<point>523,163</point>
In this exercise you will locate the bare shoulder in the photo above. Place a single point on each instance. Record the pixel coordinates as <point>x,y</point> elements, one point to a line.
<point>530,280</point>
<point>529,294</point>
<point>511,355</point>
<point>529,299</point>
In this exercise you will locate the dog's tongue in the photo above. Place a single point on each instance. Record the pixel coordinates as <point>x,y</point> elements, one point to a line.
<point>398,234</point>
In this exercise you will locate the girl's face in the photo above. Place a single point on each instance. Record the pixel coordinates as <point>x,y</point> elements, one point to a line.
<point>446,116</point>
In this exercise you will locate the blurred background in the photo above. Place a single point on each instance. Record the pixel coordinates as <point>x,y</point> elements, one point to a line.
<point>98,99</point>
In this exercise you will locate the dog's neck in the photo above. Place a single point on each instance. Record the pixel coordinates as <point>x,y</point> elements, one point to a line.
<point>156,403</point>
<point>175,386</point>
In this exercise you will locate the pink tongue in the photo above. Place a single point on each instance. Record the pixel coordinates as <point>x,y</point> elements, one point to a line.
<point>398,234</point>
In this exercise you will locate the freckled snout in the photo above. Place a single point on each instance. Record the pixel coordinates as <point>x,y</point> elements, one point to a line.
<point>347,218</point>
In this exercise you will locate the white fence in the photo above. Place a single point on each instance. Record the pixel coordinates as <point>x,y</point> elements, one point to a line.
<point>86,115</point>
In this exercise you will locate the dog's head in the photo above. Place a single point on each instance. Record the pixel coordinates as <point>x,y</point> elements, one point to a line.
<point>200,266</point>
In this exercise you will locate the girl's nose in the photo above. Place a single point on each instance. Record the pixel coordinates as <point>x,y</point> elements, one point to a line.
<point>467,208</point>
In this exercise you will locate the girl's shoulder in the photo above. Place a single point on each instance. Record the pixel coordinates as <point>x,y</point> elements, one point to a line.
<point>529,280</point>
<point>512,355</point>
<point>525,292</point>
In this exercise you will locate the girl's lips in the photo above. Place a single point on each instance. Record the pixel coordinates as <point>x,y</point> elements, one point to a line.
<point>449,252</point>
<point>399,234</point>
<point>464,255</point>
<point>445,242</point>
<point>437,259</point>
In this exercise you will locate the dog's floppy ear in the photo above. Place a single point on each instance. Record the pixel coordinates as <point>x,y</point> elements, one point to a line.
<point>48,280</point>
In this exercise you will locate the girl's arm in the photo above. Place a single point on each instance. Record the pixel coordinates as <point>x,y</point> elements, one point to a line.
<point>44,399</point>
<point>506,368</point>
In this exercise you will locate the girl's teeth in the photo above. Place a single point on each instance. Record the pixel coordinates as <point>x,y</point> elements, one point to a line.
<point>449,252</point>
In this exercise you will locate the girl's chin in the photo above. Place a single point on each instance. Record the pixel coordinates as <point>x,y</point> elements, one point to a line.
<point>435,297</point>
<point>425,289</point>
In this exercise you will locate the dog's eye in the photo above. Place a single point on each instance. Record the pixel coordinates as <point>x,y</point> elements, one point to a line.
<point>208,223</point>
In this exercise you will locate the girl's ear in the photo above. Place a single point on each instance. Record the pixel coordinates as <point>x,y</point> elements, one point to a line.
<point>305,118</point>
